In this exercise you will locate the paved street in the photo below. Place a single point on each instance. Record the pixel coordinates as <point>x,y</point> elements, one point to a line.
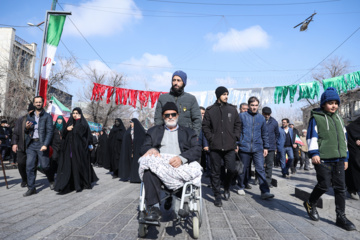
<point>109,211</point>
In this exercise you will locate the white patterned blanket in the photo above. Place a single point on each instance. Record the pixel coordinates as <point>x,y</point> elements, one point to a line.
<point>173,178</point>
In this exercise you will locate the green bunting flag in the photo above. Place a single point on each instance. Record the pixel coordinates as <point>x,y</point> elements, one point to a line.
<point>336,82</point>
<point>277,94</point>
<point>292,91</point>
<point>352,79</point>
<point>285,92</point>
<point>309,90</point>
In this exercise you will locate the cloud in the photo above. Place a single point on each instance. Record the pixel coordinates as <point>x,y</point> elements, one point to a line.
<point>149,62</point>
<point>96,18</point>
<point>227,82</point>
<point>234,40</point>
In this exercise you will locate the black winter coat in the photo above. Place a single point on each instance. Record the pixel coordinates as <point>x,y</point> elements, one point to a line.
<point>221,126</point>
<point>188,142</point>
<point>19,134</point>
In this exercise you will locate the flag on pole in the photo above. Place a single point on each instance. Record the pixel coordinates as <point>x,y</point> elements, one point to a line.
<point>298,140</point>
<point>53,31</point>
<point>56,108</point>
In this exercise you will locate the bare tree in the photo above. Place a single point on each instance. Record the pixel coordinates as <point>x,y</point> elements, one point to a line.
<point>62,72</point>
<point>332,67</point>
<point>100,111</point>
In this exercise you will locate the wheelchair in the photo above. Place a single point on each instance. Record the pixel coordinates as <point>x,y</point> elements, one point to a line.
<point>190,207</point>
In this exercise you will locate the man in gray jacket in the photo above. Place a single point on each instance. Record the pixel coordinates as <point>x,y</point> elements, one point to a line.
<point>189,112</point>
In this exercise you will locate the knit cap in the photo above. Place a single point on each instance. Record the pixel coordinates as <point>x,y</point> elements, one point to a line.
<point>330,94</point>
<point>181,74</point>
<point>220,91</point>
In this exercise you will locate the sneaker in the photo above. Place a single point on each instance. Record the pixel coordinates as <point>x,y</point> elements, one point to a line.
<point>311,210</point>
<point>354,196</point>
<point>29,192</point>
<point>218,202</point>
<point>226,195</point>
<point>306,169</point>
<point>241,192</point>
<point>267,195</point>
<point>248,186</point>
<point>344,223</point>
<point>52,185</point>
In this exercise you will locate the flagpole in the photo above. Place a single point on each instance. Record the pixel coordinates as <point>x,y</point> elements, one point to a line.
<point>48,13</point>
<point>42,53</point>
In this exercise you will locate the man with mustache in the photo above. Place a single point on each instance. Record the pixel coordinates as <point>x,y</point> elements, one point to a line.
<point>189,112</point>
<point>168,138</point>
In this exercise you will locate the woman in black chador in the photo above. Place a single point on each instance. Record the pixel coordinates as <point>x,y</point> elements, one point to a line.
<point>102,151</point>
<point>352,174</point>
<point>75,171</point>
<point>115,142</point>
<point>130,154</point>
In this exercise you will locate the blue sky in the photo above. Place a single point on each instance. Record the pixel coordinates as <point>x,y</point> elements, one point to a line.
<point>238,46</point>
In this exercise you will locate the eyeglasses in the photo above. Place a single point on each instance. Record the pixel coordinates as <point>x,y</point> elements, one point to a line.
<point>167,115</point>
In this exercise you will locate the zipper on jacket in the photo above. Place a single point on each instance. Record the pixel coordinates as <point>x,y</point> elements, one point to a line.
<point>337,136</point>
<point>252,133</point>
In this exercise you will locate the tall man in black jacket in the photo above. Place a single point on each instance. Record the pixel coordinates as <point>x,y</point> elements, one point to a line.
<point>39,132</point>
<point>18,142</point>
<point>221,126</point>
<point>168,138</point>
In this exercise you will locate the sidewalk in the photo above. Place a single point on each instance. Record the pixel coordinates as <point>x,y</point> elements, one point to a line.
<point>109,211</point>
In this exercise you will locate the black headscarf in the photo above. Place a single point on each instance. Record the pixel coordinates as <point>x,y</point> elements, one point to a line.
<point>352,174</point>
<point>102,151</point>
<point>129,167</point>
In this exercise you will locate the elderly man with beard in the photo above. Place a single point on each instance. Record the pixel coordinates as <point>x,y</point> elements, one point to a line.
<point>168,138</point>
<point>189,112</point>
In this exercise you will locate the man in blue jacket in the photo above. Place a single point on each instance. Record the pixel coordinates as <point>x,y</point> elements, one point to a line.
<point>272,127</point>
<point>285,146</point>
<point>254,143</point>
<point>39,132</point>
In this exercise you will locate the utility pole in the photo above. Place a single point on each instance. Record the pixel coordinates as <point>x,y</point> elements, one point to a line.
<point>53,5</point>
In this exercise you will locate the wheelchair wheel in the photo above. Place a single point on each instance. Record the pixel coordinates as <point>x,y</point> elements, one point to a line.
<point>199,213</point>
<point>142,230</point>
<point>196,226</point>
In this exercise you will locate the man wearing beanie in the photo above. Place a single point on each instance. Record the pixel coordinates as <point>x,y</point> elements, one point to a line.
<point>168,138</point>
<point>221,127</point>
<point>19,147</point>
<point>327,148</point>
<point>272,127</point>
<point>189,112</point>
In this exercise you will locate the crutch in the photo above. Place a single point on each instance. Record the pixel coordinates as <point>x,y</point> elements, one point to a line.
<point>3,168</point>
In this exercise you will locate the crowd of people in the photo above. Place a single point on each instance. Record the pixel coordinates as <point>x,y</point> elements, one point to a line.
<point>219,137</point>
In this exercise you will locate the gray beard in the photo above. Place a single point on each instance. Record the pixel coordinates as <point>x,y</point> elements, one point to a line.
<point>171,124</point>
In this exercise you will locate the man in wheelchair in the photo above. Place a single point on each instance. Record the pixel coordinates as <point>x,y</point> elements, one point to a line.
<point>181,147</point>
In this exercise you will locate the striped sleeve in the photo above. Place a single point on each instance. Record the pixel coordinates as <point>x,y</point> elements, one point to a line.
<point>312,139</point>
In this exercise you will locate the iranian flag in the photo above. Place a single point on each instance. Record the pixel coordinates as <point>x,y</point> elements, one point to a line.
<point>56,108</point>
<point>298,140</point>
<point>53,31</point>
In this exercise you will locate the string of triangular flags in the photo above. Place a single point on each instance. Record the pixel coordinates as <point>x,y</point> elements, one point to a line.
<point>125,96</point>
<point>311,90</point>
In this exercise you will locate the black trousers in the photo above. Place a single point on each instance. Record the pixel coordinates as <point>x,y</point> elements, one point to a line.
<point>152,184</point>
<point>330,174</point>
<point>269,165</point>
<point>296,160</point>
<point>229,161</point>
<point>21,160</point>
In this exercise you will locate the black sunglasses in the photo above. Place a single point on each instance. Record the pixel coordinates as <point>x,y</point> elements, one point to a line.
<point>167,115</point>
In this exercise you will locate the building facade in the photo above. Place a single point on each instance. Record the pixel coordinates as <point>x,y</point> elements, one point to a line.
<point>17,62</point>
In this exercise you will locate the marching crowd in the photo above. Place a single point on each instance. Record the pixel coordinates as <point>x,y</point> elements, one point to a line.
<point>226,141</point>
